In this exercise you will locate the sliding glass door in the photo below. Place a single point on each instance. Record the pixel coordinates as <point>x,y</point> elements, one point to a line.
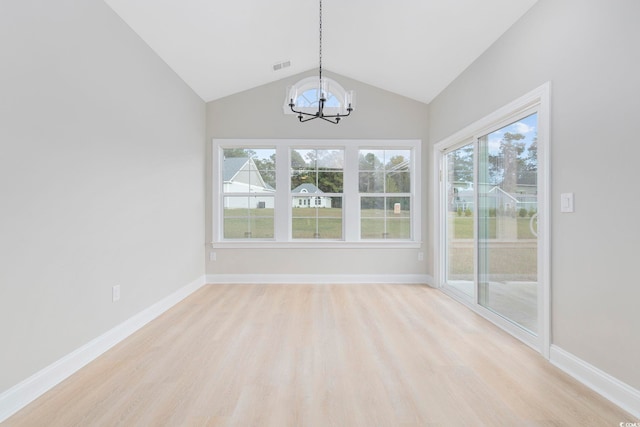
<point>508,208</point>
<point>490,210</point>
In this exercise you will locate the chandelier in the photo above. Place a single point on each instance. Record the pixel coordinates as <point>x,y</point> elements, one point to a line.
<point>323,92</point>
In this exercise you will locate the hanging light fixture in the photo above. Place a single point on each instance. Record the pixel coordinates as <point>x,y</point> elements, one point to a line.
<point>323,92</point>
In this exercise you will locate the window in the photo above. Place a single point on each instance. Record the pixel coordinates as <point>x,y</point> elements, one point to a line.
<point>316,192</point>
<point>316,184</point>
<point>249,187</point>
<point>385,194</point>
<point>306,96</point>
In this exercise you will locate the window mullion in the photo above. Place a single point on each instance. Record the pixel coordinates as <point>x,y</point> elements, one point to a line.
<point>283,195</point>
<point>351,200</point>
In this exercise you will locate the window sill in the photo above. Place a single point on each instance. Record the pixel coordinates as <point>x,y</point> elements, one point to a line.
<point>308,244</point>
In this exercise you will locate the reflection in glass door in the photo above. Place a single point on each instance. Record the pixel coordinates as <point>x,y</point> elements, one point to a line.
<point>460,218</point>
<point>507,214</point>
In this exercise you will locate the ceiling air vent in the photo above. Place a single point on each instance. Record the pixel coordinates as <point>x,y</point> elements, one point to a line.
<point>281,65</point>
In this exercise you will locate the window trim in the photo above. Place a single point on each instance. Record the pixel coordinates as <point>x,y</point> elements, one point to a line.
<point>351,202</point>
<point>245,194</point>
<point>293,195</point>
<point>384,193</point>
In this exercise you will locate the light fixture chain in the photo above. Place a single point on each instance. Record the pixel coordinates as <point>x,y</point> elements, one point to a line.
<point>323,93</point>
<point>320,39</point>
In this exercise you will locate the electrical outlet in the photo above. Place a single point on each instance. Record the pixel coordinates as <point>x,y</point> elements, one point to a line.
<point>420,256</point>
<point>212,256</point>
<point>115,293</point>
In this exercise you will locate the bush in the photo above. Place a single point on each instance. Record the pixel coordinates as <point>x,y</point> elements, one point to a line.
<point>459,211</point>
<point>493,212</point>
<point>522,213</point>
<point>532,212</point>
<point>468,212</point>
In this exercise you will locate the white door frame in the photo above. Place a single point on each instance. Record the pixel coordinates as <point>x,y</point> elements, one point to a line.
<point>538,101</point>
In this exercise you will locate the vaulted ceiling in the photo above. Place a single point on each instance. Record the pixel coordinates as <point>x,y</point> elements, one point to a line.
<point>414,48</point>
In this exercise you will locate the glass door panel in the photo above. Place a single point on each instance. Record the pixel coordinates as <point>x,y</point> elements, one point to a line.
<point>507,232</point>
<point>460,219</point>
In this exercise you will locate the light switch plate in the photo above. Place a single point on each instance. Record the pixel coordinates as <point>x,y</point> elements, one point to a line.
<point>566,202</point>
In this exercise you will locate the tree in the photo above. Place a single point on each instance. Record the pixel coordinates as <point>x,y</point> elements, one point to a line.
<point>369,177</point>
<point>322,168</point>
<point>528,170</point>
<point>460,173</point>
<point>369,161</point>
<point>238,152</point>
<point>461,164</point>
<point>531,160</point>
<point>503,166</point>
<point>330,165</point>
<point>267,169</point>
<point>398,177</point>
<point>297,162</point>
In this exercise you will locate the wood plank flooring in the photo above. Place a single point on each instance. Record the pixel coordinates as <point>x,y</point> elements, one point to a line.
<point>320,355</point>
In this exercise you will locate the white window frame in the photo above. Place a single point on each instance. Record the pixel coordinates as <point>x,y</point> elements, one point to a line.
<point>536,101</point>
<point>384,194</point>
<point>308,197</point>
<point>351,195</point>
<point>248,193</point>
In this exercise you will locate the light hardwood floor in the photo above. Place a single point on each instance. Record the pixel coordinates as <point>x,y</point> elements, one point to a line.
<point>320,355</point>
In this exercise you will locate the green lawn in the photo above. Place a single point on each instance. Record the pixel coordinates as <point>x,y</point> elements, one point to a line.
<point>507,259</point>
<point>322,223</point>
<point>502,263</point>
<point>260,223</point>
<point>463,227</point>
<point>309,223</point>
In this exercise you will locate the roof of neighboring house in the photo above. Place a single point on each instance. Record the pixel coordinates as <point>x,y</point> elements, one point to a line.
<point>306,188</point>
<point>232,165</point>
<point>501,193</point>
<point>528,178</point>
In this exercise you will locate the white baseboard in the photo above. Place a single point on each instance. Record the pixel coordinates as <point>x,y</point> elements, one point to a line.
<point>611,388</point>
<point>25,392</point>
<point>319,279</point>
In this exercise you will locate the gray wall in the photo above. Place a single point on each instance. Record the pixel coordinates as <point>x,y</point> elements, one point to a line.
<point>258,113</point>
<point>589,51</point>
<point>101,179</point>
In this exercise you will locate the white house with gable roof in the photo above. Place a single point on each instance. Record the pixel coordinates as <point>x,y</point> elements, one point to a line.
<point>309,196</point>
<point>244,187</point>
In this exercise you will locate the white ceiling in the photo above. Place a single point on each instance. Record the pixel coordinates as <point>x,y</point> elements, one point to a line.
<point>414,48</point>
